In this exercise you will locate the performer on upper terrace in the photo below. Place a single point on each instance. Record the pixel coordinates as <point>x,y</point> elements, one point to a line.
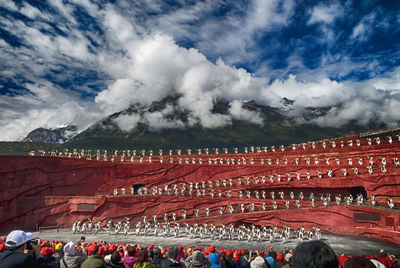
<point>228,194</point>
<point>390,202</point>
<point>220,211</point>
<point>373,201</point>
<point>242,207</point>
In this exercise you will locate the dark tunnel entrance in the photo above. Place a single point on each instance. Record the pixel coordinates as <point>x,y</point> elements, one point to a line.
<point>135,188</point>
<point>354,191</point>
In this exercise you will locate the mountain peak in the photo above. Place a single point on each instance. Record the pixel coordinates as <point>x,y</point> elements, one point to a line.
<point>57,135</point>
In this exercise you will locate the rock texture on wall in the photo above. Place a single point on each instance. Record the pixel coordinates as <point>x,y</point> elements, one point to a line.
<point>58,190</point>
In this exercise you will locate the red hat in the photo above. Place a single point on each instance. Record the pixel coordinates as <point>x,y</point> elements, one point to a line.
<point>229,253</point>
<point>91,250</point>
<point>151,246</point>
<point>270,247</point>
<point>180,249</point>
<point>279,256</point>
<point>342,260</point>
<point>45,251</point>
<point>3,239</point>
<point>101,250</point>
<point>211,248</point>
<point>199,248</point>
<point>2,247</point>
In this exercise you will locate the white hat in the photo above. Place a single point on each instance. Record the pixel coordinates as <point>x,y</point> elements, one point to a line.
<point>29,236</point>
<point>69,249</point>
<point>16,238</point>
<point>378,264</point>
<point>258,262</point>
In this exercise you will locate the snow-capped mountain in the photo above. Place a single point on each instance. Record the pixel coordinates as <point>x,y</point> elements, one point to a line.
<point>57,135</point>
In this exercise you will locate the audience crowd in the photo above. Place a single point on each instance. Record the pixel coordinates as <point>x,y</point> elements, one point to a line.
<point>21,249</point>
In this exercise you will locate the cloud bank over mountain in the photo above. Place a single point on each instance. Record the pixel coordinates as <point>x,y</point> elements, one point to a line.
<point>75,62</point>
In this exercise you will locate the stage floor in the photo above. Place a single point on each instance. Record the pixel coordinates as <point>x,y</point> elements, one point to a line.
<point>339,243</point>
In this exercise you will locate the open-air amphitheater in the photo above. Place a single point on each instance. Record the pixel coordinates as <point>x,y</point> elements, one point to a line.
<point>348,185</point>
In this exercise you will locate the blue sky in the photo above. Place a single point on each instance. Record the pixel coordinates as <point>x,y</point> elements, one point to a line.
<point>77,61</point>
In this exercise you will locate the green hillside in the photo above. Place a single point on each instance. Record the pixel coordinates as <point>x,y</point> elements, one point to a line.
<point>18,148</point>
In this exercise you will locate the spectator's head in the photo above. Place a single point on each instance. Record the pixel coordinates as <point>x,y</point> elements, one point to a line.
<point>314,254</point>
<point>151,253</point>
<point>173,252</point>
<point>115,258</point>
<point>132,251</point>
<point>197,259</point>
<point>359,262</point>
<point>142,256</point>
<point>70,249</point>
<point>381,254</point>
<point>211,248</point>
<point>29,237</point>
<point>16,240</point>
<point>46,251</point>
<point>93,250</point>
<point>236,258</point>
<point>58,247</point>
<point>101,250</point>
<point>258,262</point>
<point>279,257</point>
<point>156,252</point>
<point>83,239</point>
<point>229,253</point>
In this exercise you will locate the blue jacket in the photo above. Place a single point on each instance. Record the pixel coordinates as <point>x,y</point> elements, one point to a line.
<point>214,261</point>
<point>271,261</point>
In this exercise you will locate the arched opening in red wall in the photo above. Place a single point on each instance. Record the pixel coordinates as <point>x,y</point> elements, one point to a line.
<point>354,191</point>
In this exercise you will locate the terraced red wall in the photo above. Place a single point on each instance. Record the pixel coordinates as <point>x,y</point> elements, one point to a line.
<point>46,191</point>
